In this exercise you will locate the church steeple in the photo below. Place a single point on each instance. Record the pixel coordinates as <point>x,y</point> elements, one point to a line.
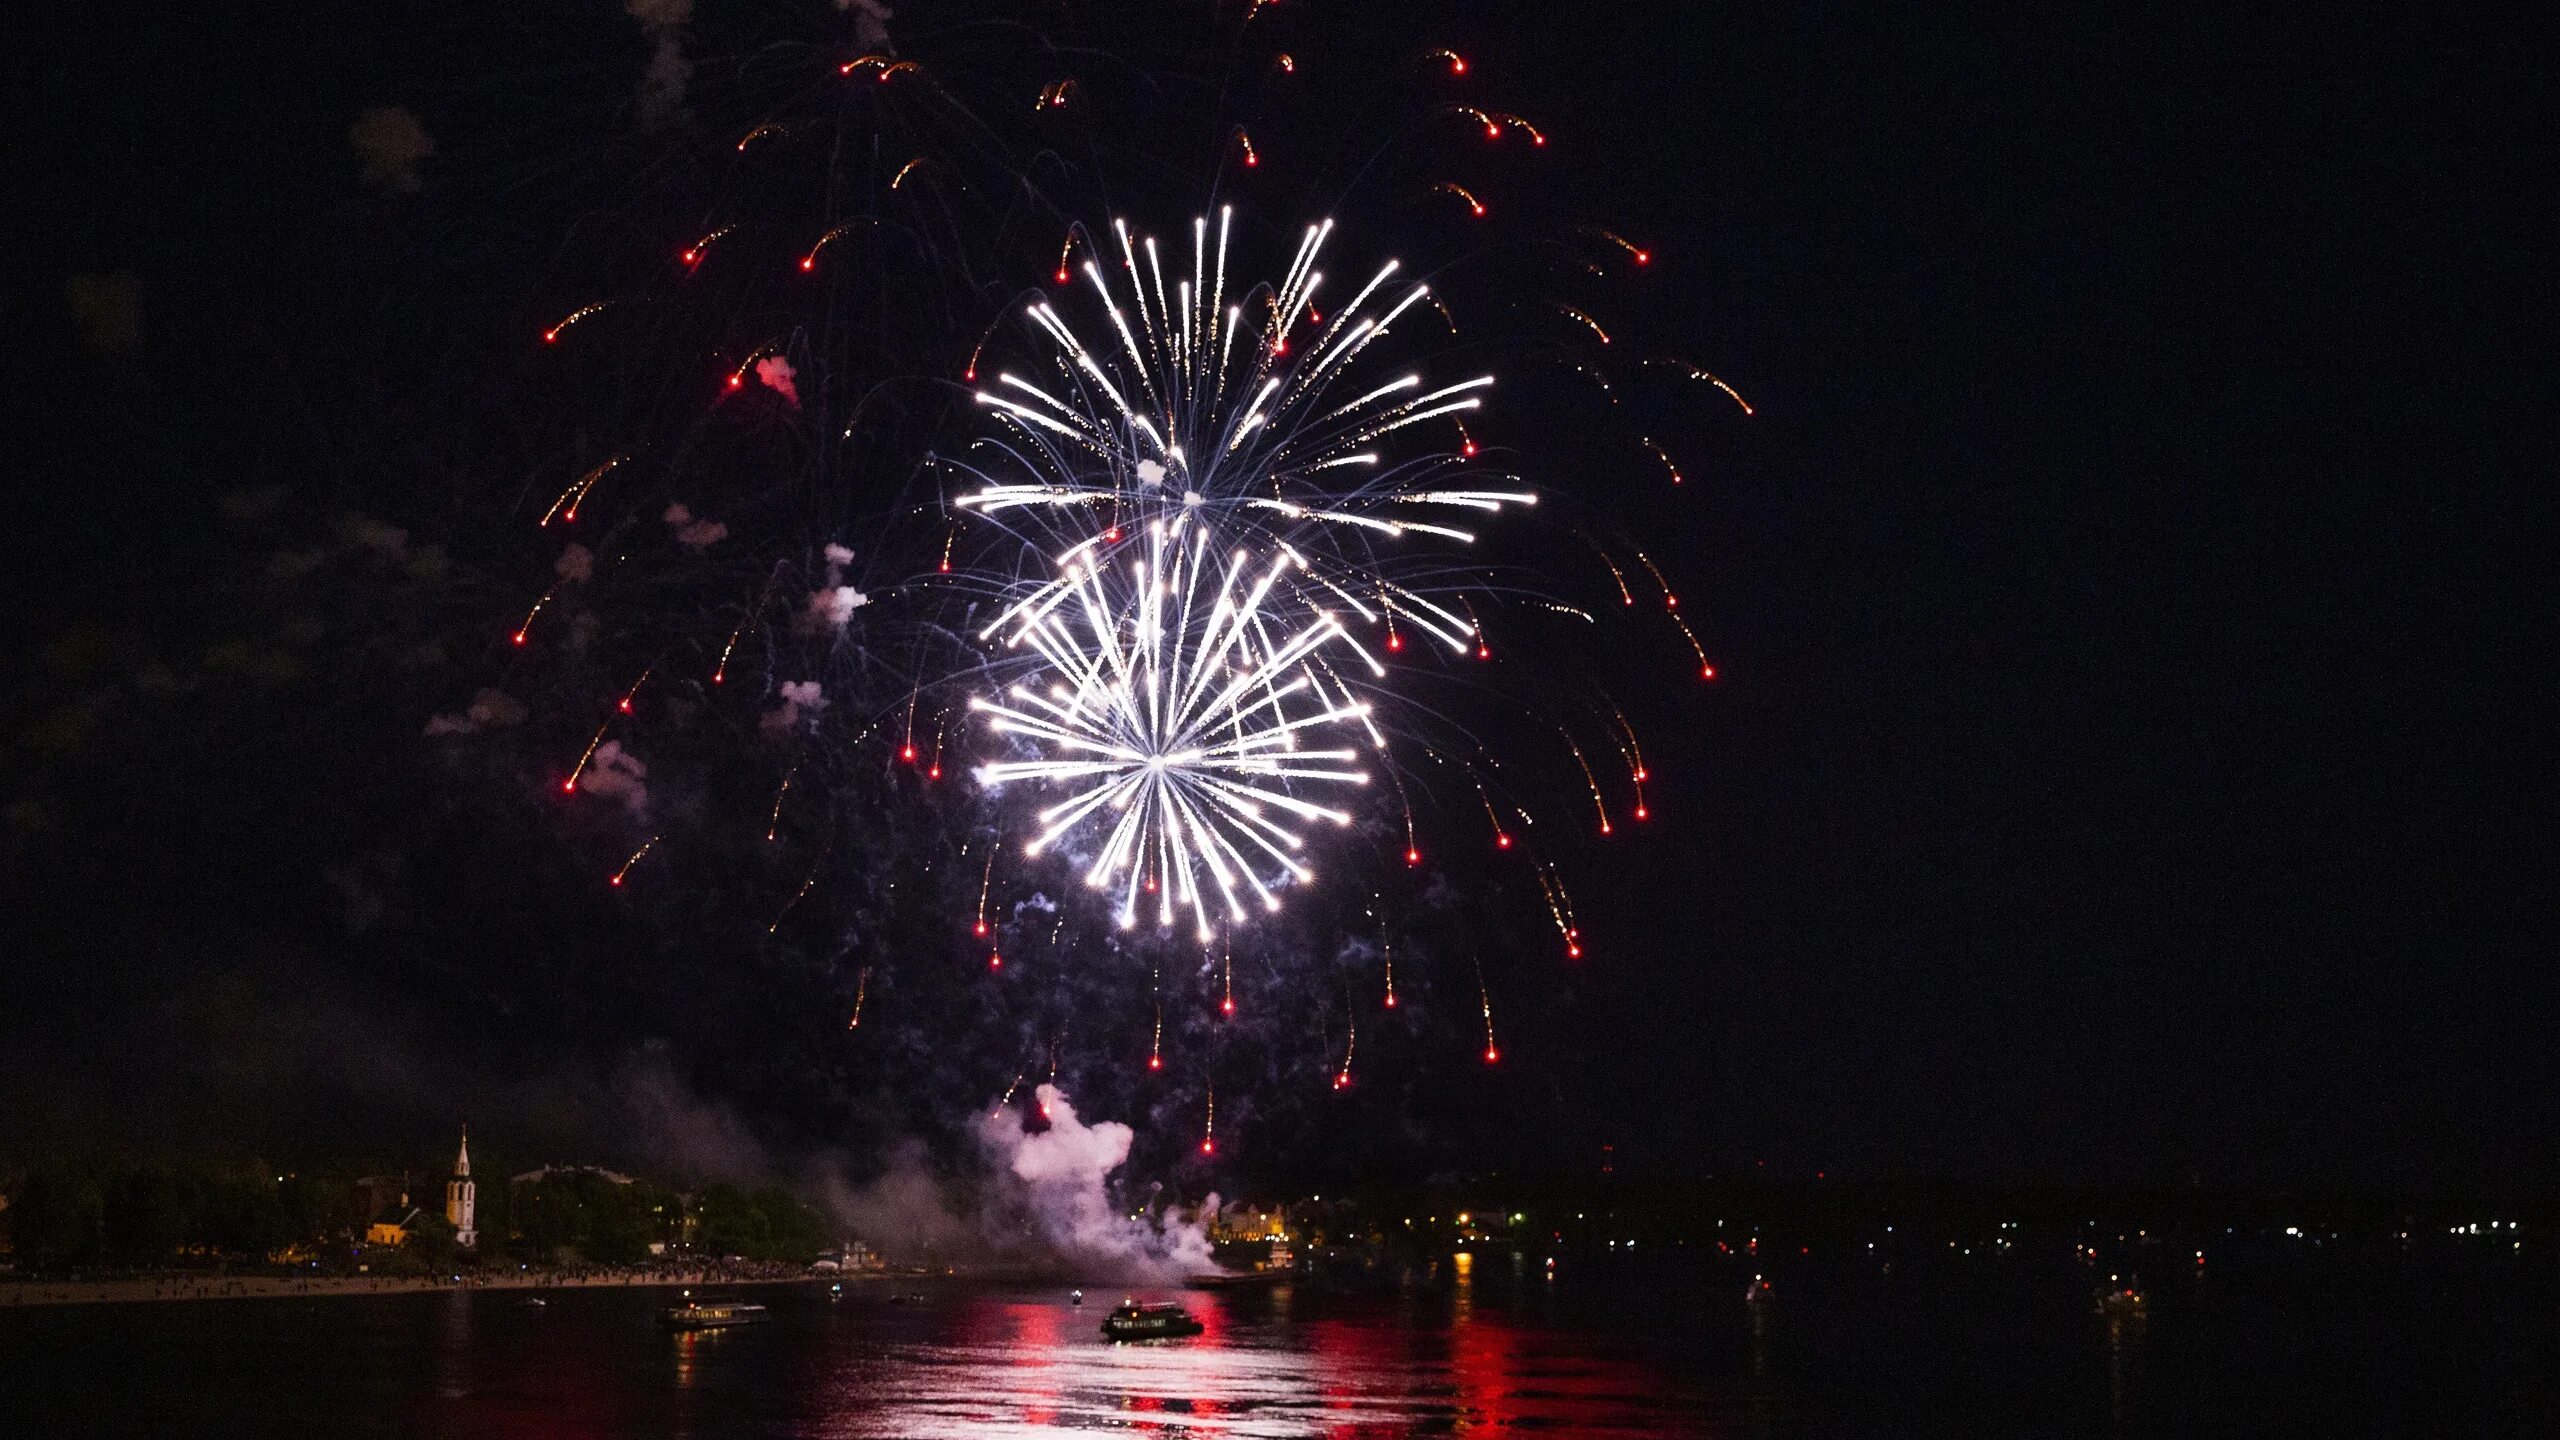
<point>459,1193</point>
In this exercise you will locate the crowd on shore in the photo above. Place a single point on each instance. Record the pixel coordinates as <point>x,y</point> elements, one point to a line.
<point>188,1285</point>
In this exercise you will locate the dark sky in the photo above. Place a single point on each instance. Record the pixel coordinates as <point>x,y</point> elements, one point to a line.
<point>2128,756</point>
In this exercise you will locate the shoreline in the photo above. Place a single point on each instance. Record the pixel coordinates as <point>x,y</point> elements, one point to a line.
<point>27,1294</point>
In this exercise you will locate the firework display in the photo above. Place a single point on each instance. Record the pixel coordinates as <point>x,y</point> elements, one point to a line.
<point>1205,564</point>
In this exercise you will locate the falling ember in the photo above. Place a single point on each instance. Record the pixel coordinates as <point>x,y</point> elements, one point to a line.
<point>1670,601</point>
<point>1246,141</point>
<point>635,859</point>
<point>759,133</point>
<point>570,785</point>
<point>1209,1135</point>
<point>1457,63</point>
<point>1387,948</point>
<point>1227,1003</point>
<point>1591,782</point>
<point>1536,137</point>
<point>985,880</point>
<point>1466,442</point>
<point>738,377</point>
<point>995,960</point>
<point>907,746</point>
<point>793,901</point>
<point>1288,63</point>
<point>900,178</point>
<point>1007,1097</point>
<point>1351,1045</point>
<point>1155,1046</point>
<point>1560,909</point>
<point>861,988</point>
<point>693,253</point>
<point>1694,373</point>
<point>552,335</point>
<point>1492,127</point>
<point>1055,97</point>
<point>1664,458</point>
<point>1705,670</point>
<point>1451,187</point>
<point>1592,325</point>
<point>527,627</point>
<point>810,261</point>
<point>566,507</point>
<point>1065,249</point>
<point>1501,837</point>
<point>720,675</point>
<point>624,705</point>
<point>1642,256</point>
<point>773,822</point>
<point>1492,1053</point>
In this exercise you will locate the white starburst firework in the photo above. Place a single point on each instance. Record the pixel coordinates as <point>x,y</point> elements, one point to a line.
<point>1181,703</point>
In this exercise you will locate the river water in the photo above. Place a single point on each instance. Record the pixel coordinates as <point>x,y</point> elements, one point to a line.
<point>1499,1348</point>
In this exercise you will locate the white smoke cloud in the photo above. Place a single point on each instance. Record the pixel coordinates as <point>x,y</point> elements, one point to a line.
<point>777,375</point>
<point>617,774</point>
<point>693,533</point>
<point>833,607</point>
<point>870,24</point>
<point>662,84</point>
<point>801,700</point>
<point>1043,1199</point>
<point>488,710</point>
<point>1065,1173</point>
<point>575,564</point>
<point>838,557</point>
<point>391,143</point>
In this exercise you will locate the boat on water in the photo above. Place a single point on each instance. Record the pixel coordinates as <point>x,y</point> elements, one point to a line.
<point>1159,1321</point>
<point>2122,1300</point>
<point>713,1315</point>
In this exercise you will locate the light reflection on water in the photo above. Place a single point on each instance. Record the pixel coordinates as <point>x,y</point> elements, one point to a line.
<point>1030,1366</point>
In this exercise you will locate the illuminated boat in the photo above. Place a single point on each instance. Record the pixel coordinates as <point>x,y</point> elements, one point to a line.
<point>2122,1300</point>
<point>712,1315</point>
<point>1163,1321</point>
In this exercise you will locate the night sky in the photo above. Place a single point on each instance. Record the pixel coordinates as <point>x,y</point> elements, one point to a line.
<point>2127,756</point>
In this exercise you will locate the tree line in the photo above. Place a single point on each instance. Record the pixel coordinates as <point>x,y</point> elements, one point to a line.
<point>150,1215</point>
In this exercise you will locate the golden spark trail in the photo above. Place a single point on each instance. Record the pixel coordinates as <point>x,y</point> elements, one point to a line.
<point>570,785</point>
<point>986,879</point>
<point>552,335</point>
<point>576,494</point>
<point>1667,464</point>
<point>794,900</point>
<point>1694,373</point>
<point>635,859</point>
<point>1593,325</point>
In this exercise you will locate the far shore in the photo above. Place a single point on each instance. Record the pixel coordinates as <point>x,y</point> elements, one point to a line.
<point>16,1292</point>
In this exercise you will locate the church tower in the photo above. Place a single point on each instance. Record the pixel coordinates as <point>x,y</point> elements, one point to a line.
<point>458,1196</point>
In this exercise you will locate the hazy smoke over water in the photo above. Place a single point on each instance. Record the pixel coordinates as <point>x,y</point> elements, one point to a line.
<point>1045,1199</point>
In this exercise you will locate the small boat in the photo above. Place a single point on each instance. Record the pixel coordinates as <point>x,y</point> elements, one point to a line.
<point>712,1315</point>
<point>1161,1321</point>
<point>533,1302</point>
